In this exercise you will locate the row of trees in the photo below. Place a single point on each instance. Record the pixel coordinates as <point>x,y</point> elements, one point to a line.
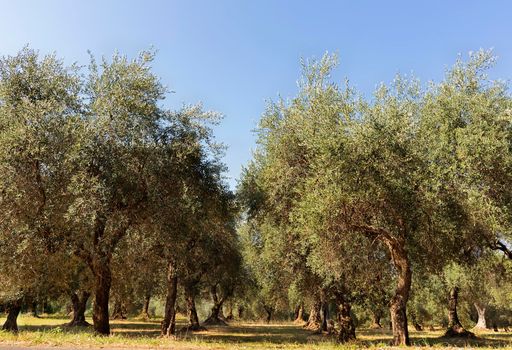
<point>107,194</point>
<point>103,191</point>
<point>348,198</point>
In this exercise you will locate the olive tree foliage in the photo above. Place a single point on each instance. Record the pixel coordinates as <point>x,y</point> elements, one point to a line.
<point>88,158</point>
<point>413,171</point>
<point>40,105</point>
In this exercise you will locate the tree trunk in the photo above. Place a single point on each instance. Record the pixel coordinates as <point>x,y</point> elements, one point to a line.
<point>376,316</point>
<point>314,322</point>
<point>11,323</point>
<point>455,328</point>
<point>215,317</point>
<point>193,320</point>
<point>269,310</point>
<point>34,309</point>
<point>230,315</point>
<point>79,305</point>
<point>415,323</point>
<point>325,315</point>
<point>103,281</point>
<point>145,308</point>
<point>480,309</point>
<point>119,312</point>
<point>169,322</point>
<point>398,303</point>
<point>347,329</point>
<point>299,314</point>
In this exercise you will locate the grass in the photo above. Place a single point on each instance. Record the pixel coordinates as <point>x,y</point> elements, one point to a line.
<point>49,331</point>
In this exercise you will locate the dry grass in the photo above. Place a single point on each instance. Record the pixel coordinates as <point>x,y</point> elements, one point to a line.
<point>49,331</point>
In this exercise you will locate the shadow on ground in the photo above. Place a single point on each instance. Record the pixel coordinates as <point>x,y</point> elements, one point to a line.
<point>280,333</point>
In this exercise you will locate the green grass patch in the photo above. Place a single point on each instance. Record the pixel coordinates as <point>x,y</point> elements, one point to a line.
<point>51,331</point>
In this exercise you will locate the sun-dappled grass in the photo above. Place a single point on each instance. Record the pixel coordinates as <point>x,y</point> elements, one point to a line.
<point>51,331</point>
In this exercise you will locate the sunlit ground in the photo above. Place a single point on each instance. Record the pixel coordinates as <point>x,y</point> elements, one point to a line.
<point>49,331</point>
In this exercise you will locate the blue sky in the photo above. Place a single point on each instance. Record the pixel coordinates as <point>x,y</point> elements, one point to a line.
<point>234,55</point>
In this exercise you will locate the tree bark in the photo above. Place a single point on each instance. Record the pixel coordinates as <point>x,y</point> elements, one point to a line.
<point>119,311</point>
<point>215,317</point>
<point>103,282</point>
<point>34,309</point>
<point>11,323</point>
<point>269,310</point>
<point>145,308</point>
<point>79,304</point>
<point>314,322</point>
<point>347,330</point>
<point>193,320</point>
<point>482,323</point>
<point>325,315</point>
<point>299,314</point>
<point>168,327</point>
<point>455,328</point>
<point>400,259</point>
<point>398,303</point>
<point>230,315</point>
<point>415,323</point>
<point>376,316</point>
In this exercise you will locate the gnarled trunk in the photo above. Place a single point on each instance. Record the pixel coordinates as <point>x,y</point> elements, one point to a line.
<point>482,323</point>
<point>216,317</point>
<point>400,259</point>
<point>144,314</point>
<point>79,303</point>
<point>103,281</point>
<point>415,323</point>
<point>376,316</point>
<point>168,326</point>
<point>269,310</point>
<point>299,314</point>
<point>455,328</point>
<point>398,303</point>
<point>325,315</point>
<point>347,329</point>
<point>314,322</point>
<point>34,309</point>
<point>193,320</point>
<point>119,312</point>
<point>230,315</point>
<point>11,323</point>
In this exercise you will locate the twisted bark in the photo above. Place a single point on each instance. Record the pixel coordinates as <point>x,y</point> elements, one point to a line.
<point>168,325</point>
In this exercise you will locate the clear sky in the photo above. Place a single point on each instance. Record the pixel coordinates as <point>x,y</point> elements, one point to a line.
<point>234,55</point>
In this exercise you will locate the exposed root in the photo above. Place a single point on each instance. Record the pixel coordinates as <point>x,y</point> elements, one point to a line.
<point>458,332</point>
<point>74,323</point>
<point>215,322</point>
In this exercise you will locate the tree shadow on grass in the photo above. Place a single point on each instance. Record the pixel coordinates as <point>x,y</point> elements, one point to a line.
<point>275,334</point>
<point>279,334</point>
<point>439,341</point>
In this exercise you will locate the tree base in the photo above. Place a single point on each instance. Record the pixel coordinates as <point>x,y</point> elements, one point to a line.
<point>375,326</point>
<point>10,327</point>
<point>458,332</point>
<point>215,322</point>
<point>299,322</point>
<point>316,327</point>
<point>78,323</point>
